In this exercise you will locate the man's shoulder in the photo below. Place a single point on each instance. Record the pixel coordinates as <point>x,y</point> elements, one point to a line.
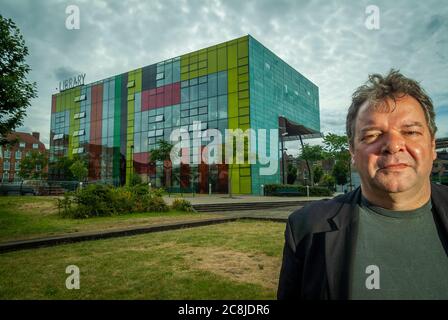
<point>315,216</point>
<point>439,189</point>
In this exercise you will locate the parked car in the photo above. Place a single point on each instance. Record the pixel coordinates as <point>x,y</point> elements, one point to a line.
<point>16,188</point>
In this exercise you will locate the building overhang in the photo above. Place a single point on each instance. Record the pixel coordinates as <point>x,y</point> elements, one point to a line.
<point>294,131</point>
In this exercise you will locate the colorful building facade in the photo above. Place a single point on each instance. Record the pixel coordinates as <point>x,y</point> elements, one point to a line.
<point>116,122</point>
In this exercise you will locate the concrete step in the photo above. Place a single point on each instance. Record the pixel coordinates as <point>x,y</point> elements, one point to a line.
<point>215,207</point>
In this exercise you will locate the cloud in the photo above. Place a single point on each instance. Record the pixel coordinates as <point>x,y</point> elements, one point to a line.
<point>324,40</point>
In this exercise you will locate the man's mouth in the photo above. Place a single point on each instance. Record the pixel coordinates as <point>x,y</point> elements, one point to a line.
<point>396,166</point>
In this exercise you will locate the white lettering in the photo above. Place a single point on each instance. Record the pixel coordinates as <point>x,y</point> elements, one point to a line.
<point>373,280</point>
<point>72,22</point>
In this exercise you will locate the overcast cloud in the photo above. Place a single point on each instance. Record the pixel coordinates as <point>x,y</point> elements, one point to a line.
<point>326,41</point>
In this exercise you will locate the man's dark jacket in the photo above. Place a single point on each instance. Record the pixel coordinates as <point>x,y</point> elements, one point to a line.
<point>320,242</point>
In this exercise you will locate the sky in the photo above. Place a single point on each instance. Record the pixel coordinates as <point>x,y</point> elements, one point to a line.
<point>327,41</point>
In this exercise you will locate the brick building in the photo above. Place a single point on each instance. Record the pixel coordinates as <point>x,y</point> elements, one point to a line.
<point>12,155</point>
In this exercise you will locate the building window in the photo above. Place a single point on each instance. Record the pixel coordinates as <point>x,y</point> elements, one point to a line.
<point>131,84</point>
<point>17,166</point>
<point>7,154</point>
<point>6,165</point>
<point>79,133</point>
<point>5,176</point>
<point>38,167</point>
<point>18,155</point>
<point>160,76</point>
<point>58,136</point>
<point>159,118</point>
<point>35,145</point>
<point>80,98</point>
<point>78,150</point>
<point>22,145</point>
<point>80,115</point>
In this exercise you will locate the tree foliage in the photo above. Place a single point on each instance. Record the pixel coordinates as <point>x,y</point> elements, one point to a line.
<point>15,91</point>
<point>79,170</point>
<point>61,168</point>
<point>162,153</point>
<point>292,174</point>
<point>312,154</point>
<point>340,172</point>
<point>318,172</point>
<point>337,148</point>
<point>32,166</point>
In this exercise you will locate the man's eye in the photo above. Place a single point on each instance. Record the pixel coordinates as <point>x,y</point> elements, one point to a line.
<point>413,133</point>
<point>370,137</point>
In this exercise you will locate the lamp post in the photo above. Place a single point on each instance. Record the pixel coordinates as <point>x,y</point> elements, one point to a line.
<point>283,160</point>
<point>132,162</point>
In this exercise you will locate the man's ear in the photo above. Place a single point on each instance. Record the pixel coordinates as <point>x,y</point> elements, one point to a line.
<point>433,147</point>
<point>352,155</point>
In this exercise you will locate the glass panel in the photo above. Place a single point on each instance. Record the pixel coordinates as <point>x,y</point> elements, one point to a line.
<point>213,108</point>
<point>193,93</point>
<point>212,85</point>
<point>222,107</point>
<point>185,94</point>
<point>222,82</point>
<point>202,91</point>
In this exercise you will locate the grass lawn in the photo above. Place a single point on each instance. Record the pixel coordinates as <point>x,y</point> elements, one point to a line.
<point>26,217</point>
<point>238,260</point>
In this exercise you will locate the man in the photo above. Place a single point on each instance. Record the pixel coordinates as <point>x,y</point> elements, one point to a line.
<point>387,239</point>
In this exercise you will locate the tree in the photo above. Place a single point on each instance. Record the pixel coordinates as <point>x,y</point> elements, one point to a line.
<point>60,169</point>
<point>292,174</point>
<point>15,91</point>
<point>162,154</point>
<point>79,170</point>
<point>318,172</point>
<point>328,181</point>
<point>32,165</point>
<point>312,154</point>
<point>340,172</point>
<point>336,147</point>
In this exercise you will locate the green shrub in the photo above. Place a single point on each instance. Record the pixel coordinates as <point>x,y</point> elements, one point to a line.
<point>296,190</point>
<point>102,200</point>
<point>182,205</point>
<point>154,203</point>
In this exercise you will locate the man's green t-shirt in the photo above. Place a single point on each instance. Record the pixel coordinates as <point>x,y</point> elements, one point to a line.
<point>398,255</point>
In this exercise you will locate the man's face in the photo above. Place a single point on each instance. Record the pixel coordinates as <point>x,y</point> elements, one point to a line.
<point>393,151</point>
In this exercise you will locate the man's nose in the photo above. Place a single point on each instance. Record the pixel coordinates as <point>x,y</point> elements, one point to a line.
<point>393,143</point>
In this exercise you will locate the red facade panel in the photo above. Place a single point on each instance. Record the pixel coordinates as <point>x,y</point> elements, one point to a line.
<point>53,104</point>
<point>145,100</point>
<point>161,97</point>
<point>176,93</point>
<point>96,114</point>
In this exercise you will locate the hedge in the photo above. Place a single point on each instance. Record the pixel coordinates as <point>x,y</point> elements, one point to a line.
<point>295,190</point>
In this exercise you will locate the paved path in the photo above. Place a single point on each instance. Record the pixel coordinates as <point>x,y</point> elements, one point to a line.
<point>221,198</point>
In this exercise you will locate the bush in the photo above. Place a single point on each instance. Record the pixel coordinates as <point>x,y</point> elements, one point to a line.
<point>182,205</point>
<point>154,203</point>
<point>102,200</point>
<point>295,190</point>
